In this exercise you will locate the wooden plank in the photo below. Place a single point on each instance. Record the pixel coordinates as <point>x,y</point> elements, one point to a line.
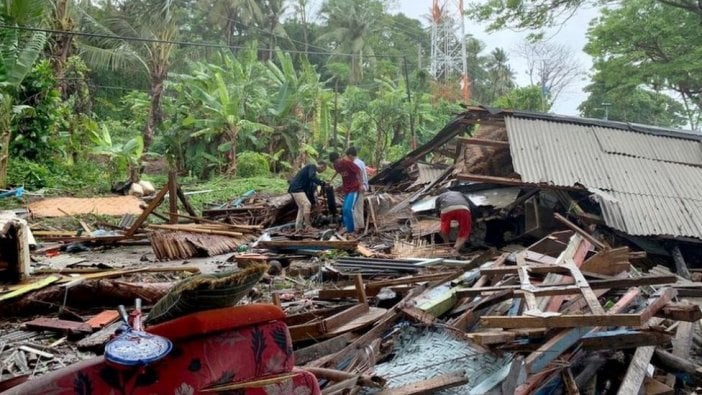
<point>589,296</point>
<point>576,251</point>
<point>103,319</point>
<point>147,211</point>
<point>58,325</point>
<point>326,347</point>
<point>467,318</point>
<point>483,142</point>
<point>541,269</point>
<point>621,339</point>
<point>575,228</point>
<point>186,203</point>
<point>562,321</point>
<point>636,371</point>
<point>301,244</point>
<point>526,287</point>
<point>511,181</point>
<point>24,289</point>
<point>567,290</point>
<point>430,386</point>
<point>569,385</point>
<point>172,197</point>
<point>682,311</point>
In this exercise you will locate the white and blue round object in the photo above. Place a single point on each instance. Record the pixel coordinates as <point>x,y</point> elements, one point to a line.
<point>135,348</point>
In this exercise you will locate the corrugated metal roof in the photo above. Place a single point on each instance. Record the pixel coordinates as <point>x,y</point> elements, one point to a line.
<point>428,172</point>
<point>650,189</point>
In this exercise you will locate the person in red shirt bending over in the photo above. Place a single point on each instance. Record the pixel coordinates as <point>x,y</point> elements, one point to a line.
<point>350,186</point>
<point>454,206</point>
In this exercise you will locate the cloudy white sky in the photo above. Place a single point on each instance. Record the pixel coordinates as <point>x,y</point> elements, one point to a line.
<point>571,34</point>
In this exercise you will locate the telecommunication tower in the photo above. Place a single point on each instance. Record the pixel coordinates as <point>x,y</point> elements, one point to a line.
<point>448,44</point>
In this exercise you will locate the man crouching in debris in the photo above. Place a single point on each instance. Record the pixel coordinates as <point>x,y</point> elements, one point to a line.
<point>452,206</point>
<point>302,190</point>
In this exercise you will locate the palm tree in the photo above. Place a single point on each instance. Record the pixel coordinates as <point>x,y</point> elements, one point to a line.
<point>152,52</point>
<point>234,16</point>
<point>18,52</point>
<point>500,75</point>
<point>351,22</point>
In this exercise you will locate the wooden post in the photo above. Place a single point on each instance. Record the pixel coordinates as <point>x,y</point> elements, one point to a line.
<point>151,207</point>
<point>186,203</point>
<point>172,197</point>
<point>360,288</point>
<point>276,299</point>
<point>575,228</point>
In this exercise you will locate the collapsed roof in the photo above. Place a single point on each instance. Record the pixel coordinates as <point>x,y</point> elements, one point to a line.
<point>646,180</point>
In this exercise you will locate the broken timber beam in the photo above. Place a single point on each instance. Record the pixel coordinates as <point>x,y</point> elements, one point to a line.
<point>575,228</point>
<point>148,210</point>
<point>337,244</point>
<point>484,142</point>
<point>430,386</point>
<point>636,372</point>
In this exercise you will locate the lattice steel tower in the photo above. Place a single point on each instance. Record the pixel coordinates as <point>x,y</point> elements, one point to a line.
<point>448,44</point>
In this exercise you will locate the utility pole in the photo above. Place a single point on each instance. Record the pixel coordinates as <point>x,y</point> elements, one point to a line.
<point>606,108</point>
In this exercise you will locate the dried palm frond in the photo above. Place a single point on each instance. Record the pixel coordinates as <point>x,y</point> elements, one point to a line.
<point>205,292</point>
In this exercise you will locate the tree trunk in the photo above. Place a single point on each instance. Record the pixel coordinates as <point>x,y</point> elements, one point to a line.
<point>64,42</point>
<point>5,138</point>
<point>231,169</point>
<point>155,113</point>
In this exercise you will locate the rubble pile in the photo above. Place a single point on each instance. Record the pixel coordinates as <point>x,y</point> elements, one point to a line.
<point>578,277</point>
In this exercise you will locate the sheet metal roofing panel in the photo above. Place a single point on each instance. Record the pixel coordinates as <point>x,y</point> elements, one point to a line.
<point>642,215</point>
<point>555,153</point>
<point>649,146</point>
<point>647,196</point>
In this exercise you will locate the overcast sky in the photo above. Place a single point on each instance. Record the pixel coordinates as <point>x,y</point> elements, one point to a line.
<point>571,34</point>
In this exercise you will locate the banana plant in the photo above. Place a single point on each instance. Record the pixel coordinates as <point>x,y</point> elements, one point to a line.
<point>124,157</point>
<point>221,98</point>
<point>18,51</point>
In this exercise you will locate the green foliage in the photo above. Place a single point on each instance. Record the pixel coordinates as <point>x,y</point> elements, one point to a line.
<point>664,55</point>
<point>631,104</point>
<point>35,131</point>
<point>85,178</point>
<point>252,164</point>
<point>529,98</point>
<point>225,189</point>
<point>122,157</point>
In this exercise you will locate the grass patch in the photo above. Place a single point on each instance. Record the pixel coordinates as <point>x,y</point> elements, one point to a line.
<point>227,189</point>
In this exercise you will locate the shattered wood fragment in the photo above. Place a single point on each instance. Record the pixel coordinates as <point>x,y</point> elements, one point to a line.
<point>40,353</point>
<point>419,316</point>
<point>676,365</point>
<point>302,244</point>
<point>102,319</point>
<point>430,386</point>
<point>636,371</point>
<point>680,311</point>
<point>338,375</point>
<point>58,325</point>
<point>326,347</point>
<point>571,388</point>
<point>610,261</point>
<point>621,339</point>
<point>587,236</point>
<point>97,340</point>
<point>45,282</point>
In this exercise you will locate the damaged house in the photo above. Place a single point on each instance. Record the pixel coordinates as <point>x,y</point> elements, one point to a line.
<point>635,184</point>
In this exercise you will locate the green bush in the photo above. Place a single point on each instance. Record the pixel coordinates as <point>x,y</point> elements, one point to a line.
<point>252,164</point>
<point>85,178</point>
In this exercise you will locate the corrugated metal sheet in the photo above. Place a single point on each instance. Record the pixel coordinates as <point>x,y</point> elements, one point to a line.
<point>427,173</point>
<point>649,191</point>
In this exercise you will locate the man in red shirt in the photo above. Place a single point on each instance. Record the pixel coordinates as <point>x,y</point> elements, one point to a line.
<point>350,186</point>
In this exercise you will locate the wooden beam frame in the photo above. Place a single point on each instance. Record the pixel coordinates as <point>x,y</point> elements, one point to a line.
<point>483,142</point>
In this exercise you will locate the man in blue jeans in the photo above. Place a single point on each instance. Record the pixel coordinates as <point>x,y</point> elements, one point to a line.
<point>350,186</point>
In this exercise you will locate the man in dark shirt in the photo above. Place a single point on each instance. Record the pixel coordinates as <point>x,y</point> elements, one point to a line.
<point>301,188</point>
<point>350,186</point>
<point>454,206</point>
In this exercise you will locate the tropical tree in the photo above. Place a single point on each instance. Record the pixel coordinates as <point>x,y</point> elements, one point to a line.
<point>234,17</point>
<point>349,24</point>
<point>528,98</point>
<point>619,101</point>
<point>220,97</point>
<point>499,75</point>
<point>18,51</point>
<point>666,55</point>
<point>298,106</point>
<point>139,39</point>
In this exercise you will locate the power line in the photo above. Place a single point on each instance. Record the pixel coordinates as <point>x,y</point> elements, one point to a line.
<point>180,43</point>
